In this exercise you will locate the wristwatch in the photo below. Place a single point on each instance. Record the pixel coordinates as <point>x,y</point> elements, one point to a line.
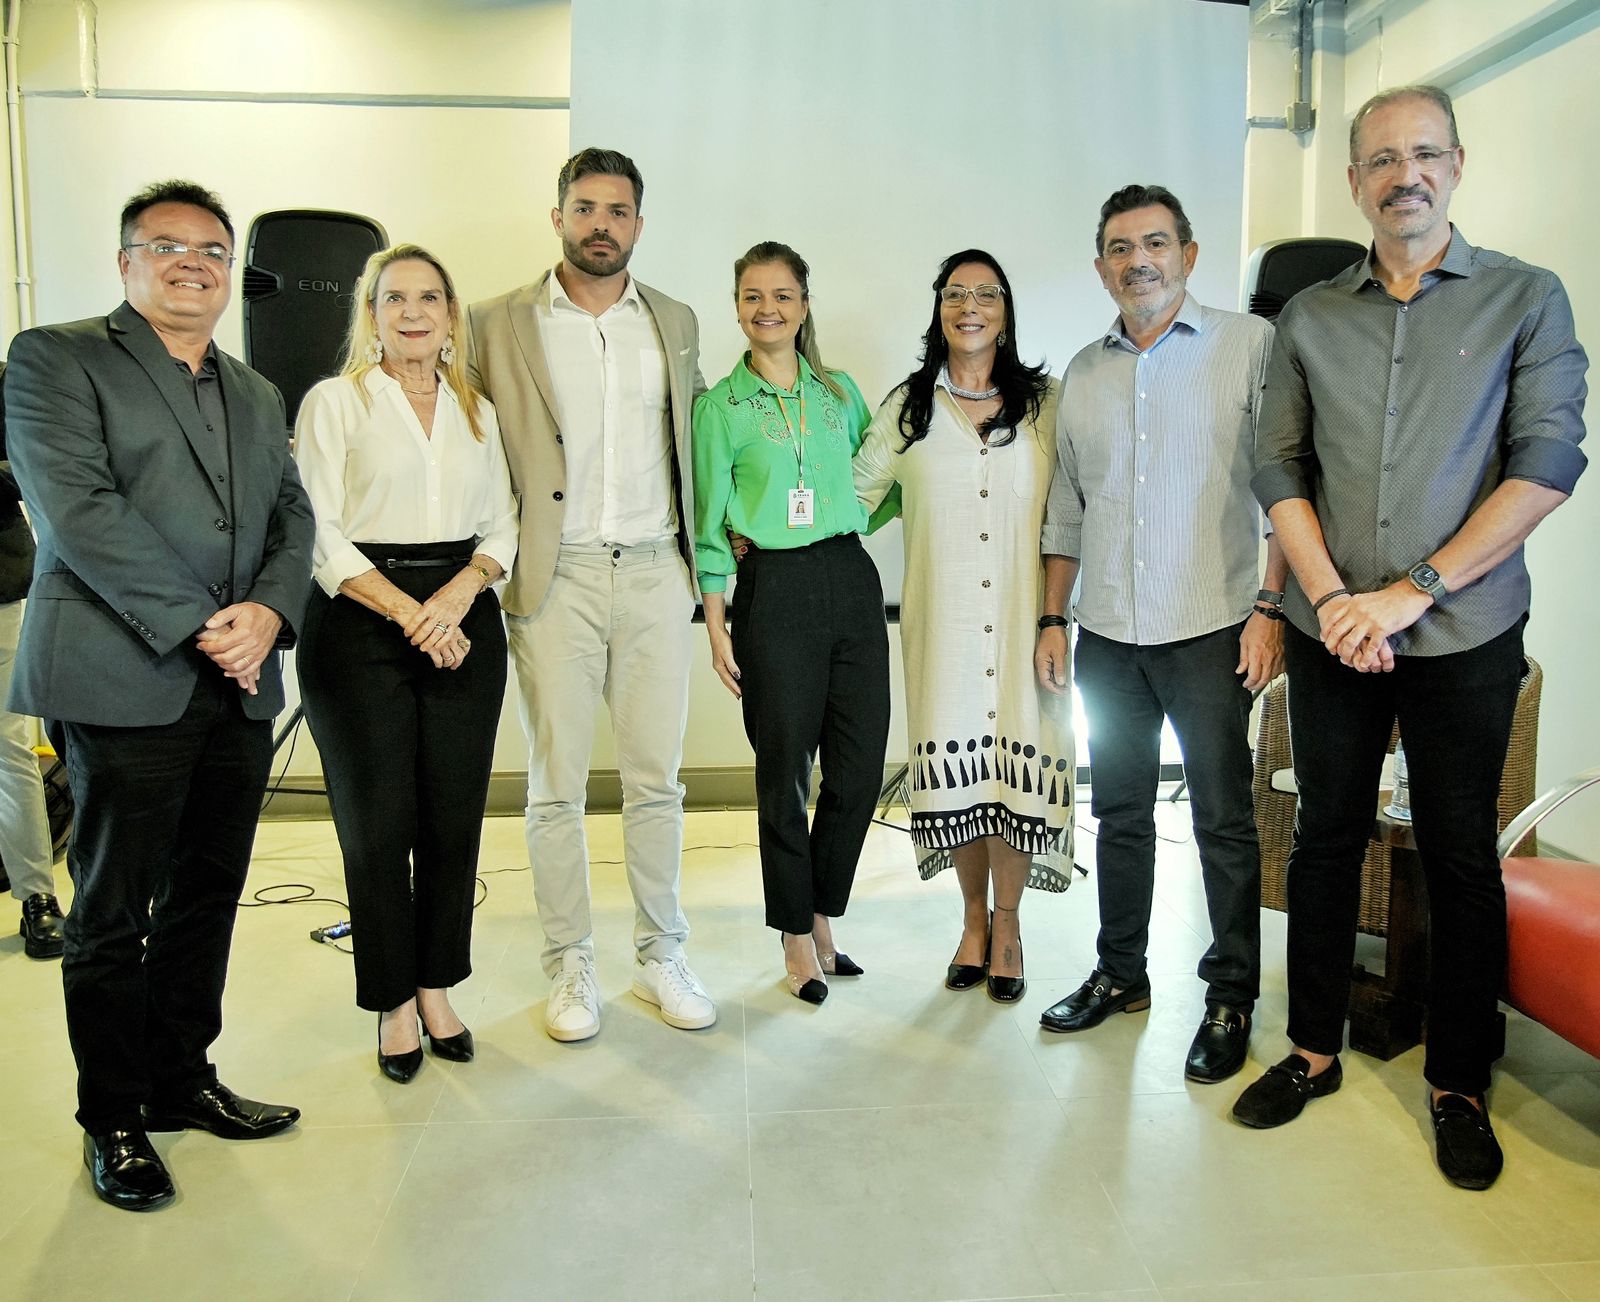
<point>1426,579</point>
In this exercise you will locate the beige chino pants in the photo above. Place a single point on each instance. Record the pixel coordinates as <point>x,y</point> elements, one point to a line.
<point>615,624</point>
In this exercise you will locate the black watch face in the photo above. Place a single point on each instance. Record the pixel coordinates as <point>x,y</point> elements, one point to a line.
<point>1424,575</point>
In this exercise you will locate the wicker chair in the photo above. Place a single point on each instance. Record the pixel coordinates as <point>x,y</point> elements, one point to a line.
<point>1275,809</point>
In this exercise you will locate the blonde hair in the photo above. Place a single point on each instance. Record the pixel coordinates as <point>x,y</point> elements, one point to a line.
<point>805,342</point>
<point>363,331</point>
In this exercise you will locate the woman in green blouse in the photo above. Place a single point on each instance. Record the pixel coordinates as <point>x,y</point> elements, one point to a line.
<point>808,654</point>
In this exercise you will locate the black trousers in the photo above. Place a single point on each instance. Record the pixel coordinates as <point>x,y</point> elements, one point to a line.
<point>1127,691</point>
<point>406,751</point>
<point>813,650</point>
<point>1455,716</point>
<point>165,820</point>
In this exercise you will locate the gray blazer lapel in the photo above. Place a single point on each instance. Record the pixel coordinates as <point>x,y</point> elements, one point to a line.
<point>134,333</point>
<point>523,310</point>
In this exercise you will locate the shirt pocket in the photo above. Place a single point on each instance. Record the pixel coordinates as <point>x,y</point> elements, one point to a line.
<point>653,388</point>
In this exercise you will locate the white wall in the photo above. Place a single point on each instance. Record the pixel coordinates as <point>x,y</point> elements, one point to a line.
<point>1522,73</point>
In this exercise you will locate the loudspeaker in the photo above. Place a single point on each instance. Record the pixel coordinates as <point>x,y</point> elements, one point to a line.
<point>1280,269</point>
<point>301,269</point>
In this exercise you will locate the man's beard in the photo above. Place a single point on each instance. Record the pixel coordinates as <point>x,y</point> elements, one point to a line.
<point>606,260</point>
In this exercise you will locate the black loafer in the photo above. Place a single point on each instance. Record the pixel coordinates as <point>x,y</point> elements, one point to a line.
<point>1283,1092</point>
<point>40,929</point>
<point>1219,1046</point>
<point>1464,1142</point>
<point>127,1172</point>
<point>217,1109</point>
<point>1092,1002</point>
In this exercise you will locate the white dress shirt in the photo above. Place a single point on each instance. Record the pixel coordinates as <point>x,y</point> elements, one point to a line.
<point>1156,450</point>
<point>374,477</point>
<point>615,411</point>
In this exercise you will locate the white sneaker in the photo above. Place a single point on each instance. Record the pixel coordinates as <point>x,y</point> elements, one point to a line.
<point>676,991</point>
<point>573,1010</point>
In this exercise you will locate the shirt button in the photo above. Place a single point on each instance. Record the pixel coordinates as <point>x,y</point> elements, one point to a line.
<point>988,628</point>
<point>989,672</point>
<point>1141,438</point>
<point>983,537</point>
<point>557,495</point>
<point>1394,411</point>
<point>1398,359</point>
<point>1140,564</point>
<point>1383,524</point>
<point>986,583</point>
<point>222,479</point>
<point>220,525</point>
<point>983,492</point>
<point>1141,479</point>
<point>559,439</point>
<point>1141,397</point>
<point>991,714</point>
<point>1388,465</point>
<point>983,452</point>
<point>1141,522</point>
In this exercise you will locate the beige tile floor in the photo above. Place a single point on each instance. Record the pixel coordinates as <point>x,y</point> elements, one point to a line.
<point>901,1142</point>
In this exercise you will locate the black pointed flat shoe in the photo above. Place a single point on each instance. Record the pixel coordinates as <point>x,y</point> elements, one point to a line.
<point>838,964</point>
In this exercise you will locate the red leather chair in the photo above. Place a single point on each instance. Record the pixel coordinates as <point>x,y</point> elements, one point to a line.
<point>1553,928</point>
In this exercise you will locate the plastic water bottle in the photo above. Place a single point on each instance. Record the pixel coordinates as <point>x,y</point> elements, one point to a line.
<point>1399,806</point>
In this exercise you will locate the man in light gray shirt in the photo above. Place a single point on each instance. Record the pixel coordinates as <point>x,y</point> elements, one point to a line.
<point>1151,503</point>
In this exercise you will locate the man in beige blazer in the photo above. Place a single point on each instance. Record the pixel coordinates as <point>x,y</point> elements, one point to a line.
<point>594,376</point>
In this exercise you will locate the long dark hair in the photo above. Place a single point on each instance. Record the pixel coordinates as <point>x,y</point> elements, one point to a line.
<point>1022,387</point>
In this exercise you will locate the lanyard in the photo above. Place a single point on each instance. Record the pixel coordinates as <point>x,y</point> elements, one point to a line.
<point>799,440</point>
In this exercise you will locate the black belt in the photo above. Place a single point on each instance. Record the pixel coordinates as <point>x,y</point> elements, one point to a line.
<point>424,563</point>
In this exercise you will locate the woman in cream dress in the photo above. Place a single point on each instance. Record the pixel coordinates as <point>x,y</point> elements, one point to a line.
<point>969,438</point>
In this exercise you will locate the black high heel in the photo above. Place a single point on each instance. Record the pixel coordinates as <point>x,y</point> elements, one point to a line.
<point>1004,989</point>
<point>811,989</point>
<point>452,1048</point>
<point>964,976</point>
<point>838,964</point>
<point>398,1067</point>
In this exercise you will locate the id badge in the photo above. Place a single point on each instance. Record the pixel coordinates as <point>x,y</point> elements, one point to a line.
<point>800,508</point>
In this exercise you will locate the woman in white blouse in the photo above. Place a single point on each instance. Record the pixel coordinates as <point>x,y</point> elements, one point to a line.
<point>402,656</point>
<point>970,439</point>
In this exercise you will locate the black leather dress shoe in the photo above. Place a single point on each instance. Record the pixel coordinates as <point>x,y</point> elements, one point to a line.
<point>41,932</point>
<point>218,1109</point>
<point>1092,1002</point>
<point>1219,1046</point>
<point>453,1048</point>
<point>127,1172</point>
<point>963,976</point>
<point>1464,1141</point>
<point>1283,1092</point>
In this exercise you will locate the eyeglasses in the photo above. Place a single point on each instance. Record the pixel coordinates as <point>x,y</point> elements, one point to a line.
<point>167,249</point>
<point>1384,166</point>
<point>956,295</point>
<point>1153,245</point>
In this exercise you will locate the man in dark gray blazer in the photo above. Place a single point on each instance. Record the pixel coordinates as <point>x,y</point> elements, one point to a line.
<point>174,560</point>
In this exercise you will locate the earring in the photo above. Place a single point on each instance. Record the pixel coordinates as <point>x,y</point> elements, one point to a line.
<point>1002,338</point>
<point>375,351</point>
<point>447,354</point>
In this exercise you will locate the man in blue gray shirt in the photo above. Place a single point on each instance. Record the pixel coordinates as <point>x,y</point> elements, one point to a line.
<point>1151,502</point>
<point>1421,416</point>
